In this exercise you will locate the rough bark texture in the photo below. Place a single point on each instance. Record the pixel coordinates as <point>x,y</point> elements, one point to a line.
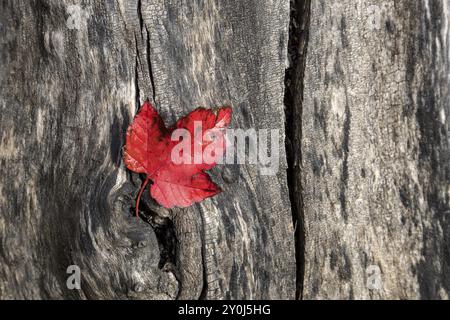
<point>374,137</point>
<point>67,97</point>
<point>364,178</point>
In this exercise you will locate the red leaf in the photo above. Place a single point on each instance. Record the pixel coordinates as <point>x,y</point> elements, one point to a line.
<point>149,146</point>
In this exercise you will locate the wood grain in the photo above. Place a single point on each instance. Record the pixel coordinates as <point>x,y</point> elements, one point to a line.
<point>67,97</point>
<point>358,91</point>
<point>374,138</point>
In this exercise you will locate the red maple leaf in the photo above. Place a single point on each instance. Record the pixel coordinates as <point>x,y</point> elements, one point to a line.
<point>149,149</point>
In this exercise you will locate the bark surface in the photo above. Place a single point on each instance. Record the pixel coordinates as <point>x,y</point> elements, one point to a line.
<point>71,84</point>
<point>374,174</point>
<point>358,91</point>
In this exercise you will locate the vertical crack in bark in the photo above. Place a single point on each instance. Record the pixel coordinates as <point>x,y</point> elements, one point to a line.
<point>136,76</point>
<point>204,291</point>
<point>293,99</point>
<point>139,12</point>
<point>150,68</point>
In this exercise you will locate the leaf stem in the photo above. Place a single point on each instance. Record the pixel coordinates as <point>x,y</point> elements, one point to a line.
<point>139,196</point>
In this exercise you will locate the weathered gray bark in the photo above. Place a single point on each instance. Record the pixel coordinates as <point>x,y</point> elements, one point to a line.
<point>372,110</point>
<point>367,107</point>
<point>67,97</point>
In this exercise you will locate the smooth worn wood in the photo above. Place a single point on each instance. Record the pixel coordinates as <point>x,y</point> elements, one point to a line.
<point>374,174</point>
<point>68,94</point>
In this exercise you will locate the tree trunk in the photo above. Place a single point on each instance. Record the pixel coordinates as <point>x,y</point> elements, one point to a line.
<point>372,114</point>
<point>359,207</point>
<point>71,83</point>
